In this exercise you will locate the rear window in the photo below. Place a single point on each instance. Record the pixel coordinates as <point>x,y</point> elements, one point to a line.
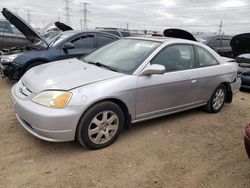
<point>112,32</point>
<point>225,42</point>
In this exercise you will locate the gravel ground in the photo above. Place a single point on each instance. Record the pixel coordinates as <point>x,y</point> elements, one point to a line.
<point>189,149</point>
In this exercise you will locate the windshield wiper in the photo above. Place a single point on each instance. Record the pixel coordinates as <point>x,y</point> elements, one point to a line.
<point>102,65</point>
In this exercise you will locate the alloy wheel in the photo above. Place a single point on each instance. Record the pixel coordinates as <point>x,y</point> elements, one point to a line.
<point>103,127</point>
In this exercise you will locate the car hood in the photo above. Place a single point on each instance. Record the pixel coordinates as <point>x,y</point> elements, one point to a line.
<point>65,75</point>
<point>22,26</point>
<point>240,44</point>
<point>179,33</point>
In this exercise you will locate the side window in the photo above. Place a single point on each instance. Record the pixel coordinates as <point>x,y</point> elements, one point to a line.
<point>103,40</point>
<point>5,26</point>
<point>226,43</point>
<point>125,34</point>
<point>205,58</point>
<point>216,43</point>
<point>176,57</point>
<point>86,41</point>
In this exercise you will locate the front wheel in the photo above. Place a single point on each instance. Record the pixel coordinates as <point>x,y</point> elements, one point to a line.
<point>100,126</point>
<point>217,100</point>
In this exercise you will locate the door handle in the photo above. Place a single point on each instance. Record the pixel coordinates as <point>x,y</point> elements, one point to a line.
<point>193,81</point>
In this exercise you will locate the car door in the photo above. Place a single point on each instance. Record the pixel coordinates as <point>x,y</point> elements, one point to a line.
<point>216,45</point>
<point>172,91</point>
<point>226,48</point>
<point>83,44</point>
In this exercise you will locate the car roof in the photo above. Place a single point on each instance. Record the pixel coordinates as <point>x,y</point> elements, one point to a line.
<point>207,35</point>
<point>88,31</point>
<point>162,39</point>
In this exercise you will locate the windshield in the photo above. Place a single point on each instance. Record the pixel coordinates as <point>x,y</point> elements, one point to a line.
<point>123,55</point>
<point>53,41</point>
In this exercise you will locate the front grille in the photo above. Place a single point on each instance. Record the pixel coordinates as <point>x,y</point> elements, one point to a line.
<point>24,90</point>
<point>28,124</point>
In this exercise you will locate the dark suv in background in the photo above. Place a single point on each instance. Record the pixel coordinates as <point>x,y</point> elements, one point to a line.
<point>219,43</point>
<point>115,31</point>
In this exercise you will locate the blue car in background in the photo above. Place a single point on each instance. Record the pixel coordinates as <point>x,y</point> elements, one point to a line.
<point>68,44</point>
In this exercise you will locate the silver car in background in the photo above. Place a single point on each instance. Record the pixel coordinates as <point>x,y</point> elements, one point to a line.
<point>131,80</point>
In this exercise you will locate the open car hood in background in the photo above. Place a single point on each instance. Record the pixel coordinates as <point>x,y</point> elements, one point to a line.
<point>62,26</point>
<point>54,26</point>
<point>22,26</point>
<point>179,33</point>
<point>240,44</point>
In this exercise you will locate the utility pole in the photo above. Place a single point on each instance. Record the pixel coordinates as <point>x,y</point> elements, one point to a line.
<point>220,27</point>
<point>67,11</point>
<point>81,20</point>
<point>28,16</point>
<point>85,12</point>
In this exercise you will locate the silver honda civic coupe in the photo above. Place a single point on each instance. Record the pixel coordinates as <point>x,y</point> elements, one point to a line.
<point>93,98</point>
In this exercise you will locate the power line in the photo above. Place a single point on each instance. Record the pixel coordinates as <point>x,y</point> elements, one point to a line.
<point>67,11</point>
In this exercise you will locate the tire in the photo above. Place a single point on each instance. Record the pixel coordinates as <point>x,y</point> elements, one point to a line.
<point>94,131</point>
<point>218,97</point>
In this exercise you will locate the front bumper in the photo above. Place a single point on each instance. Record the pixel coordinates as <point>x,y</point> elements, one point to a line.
<point>54,125</point>
<point>235,86</point>
<point>245,82</point>
<point>247,140</point>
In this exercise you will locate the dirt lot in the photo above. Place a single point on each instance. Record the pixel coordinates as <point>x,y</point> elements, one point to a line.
<point>189,149</point>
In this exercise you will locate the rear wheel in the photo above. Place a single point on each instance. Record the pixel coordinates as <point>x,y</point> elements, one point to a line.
<point>217,100</point>
<point>100,126</point>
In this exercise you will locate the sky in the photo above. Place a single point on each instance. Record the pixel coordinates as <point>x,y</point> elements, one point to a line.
<point>192,15</point>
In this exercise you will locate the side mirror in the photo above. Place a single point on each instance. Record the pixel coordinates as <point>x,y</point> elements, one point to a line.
<point>153,69</point>
<point>68,45</point>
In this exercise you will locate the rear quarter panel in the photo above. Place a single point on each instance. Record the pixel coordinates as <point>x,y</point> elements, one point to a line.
<point>211,77</point>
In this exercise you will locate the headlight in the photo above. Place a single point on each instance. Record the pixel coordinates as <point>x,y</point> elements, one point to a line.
<point>8,58</point>
<point>53,99</point>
